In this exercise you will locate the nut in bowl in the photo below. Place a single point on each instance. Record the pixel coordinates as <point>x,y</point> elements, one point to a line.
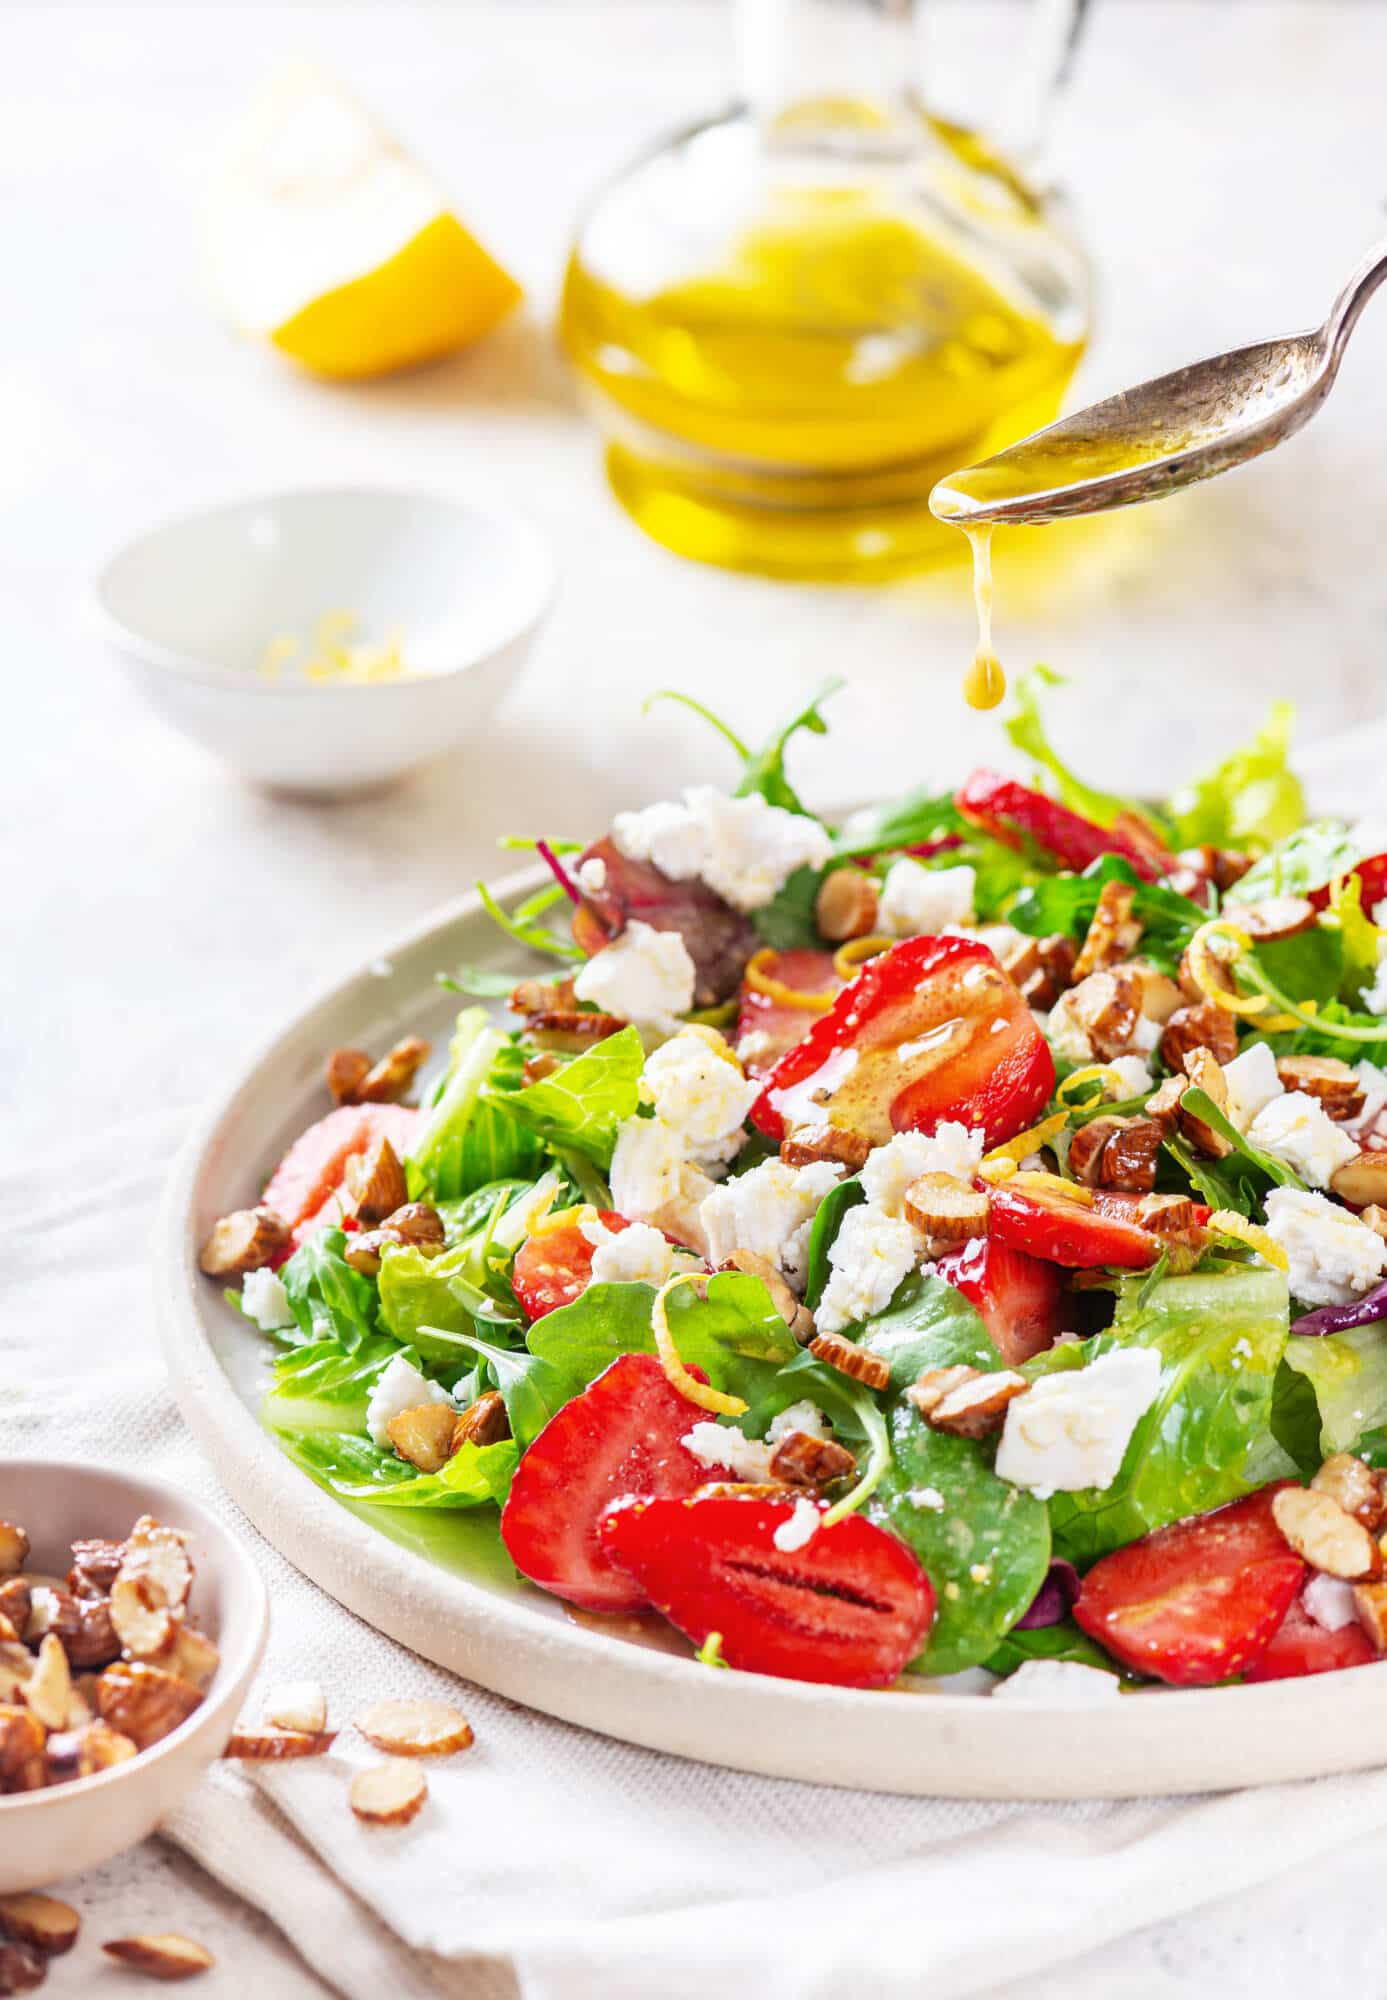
<point>133,1625</point>
<point>326,642</point>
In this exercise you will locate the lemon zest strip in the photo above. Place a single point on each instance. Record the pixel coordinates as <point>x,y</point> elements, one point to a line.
<point>1226,1222</point>
<point>678,1376</point>
<point>849,958</point>
<point>1206,966</point>
<point>560,1218</point>
<point>996,1168</point>
<point>1103,1073</point>
<point>760,981</point>
<point>1043,1183</point>
<point>1032,1141</point>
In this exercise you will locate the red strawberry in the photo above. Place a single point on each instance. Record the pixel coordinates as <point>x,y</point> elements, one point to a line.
<point>555,1267</point>
<point>311,1171</point>
<point>1018,1296</point>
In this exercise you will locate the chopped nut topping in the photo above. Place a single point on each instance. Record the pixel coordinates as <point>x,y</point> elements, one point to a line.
<point>801,1459</point>
<point>143,1702</point>
<point>94,1567</point>
<point>347,1070</point>
<point>94,1643</point>
<point>936,1383</point>
<point>15,1605</point>
<point>415,1728</point>
<point>424,1435</point>
<point>542,996</point>
<point>195,1657</point>
<point>538,1066</point>
<point>1376,1218</point>
<point>1164,1104</point>
<point>1114,933</point>
<point>1160,996</point>
<point>376,1181</point>
<point>1043,968</point>
<point>14,1548</point>
<point>418,1226</point>
<point>388,1794</point>
<point>394,1073</point>
<point>572,1028</point>
<point>22,1967</point>
<point>41,1921</point>
<point>481,1423</point>
<point>846,905</point>
<point>1355,1487</point>
<point>1108,1006</point>
<point>808,1144</point>
<point>161,1955</point>
<point>81,1752</point>
<point>1318,1529</point>
<point>245,1241</point>
<point>945,1210</point>
<point>21,1743</point>
<point>1363,1180</point>
<point>301,1705</point>
<point>271,1746</point>
<point>974,1407</point>
<point>49,1688</point>
<point>1324,1077</point>
<point>1171,1217</point>
<point>1370,1602</point>
<point>1277,917</point>
<point>1118,1153</point>
<point>849,1359</point>
<point>1205,1026</point>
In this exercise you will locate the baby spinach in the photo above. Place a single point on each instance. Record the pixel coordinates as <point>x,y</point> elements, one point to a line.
<point>1066,903</point>
<point>1050,1642</point>
<point>828,1220</point>
<point>913,819</point>
<point>581,1105</point>
<point>533,1389</point>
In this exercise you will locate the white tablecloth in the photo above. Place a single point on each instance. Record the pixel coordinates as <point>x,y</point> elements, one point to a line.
<point>159,919</point>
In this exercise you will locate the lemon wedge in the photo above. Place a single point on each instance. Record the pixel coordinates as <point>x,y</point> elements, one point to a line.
<point>326,239</point>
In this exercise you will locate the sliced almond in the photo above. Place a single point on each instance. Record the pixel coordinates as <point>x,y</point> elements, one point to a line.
<point>388,1794</point>
<point>481,1423</point>
<point>41,1921</point>
<point>244,1241</point>
<point>415,1728</point>
<point>347,1070</point>
<point>1318,1529</point>
<point>14,1548</point>
<point>945,1210</point>
<point>1363,1181</point>
<point>297,1705</point>
<point>1277,917</point>
<point>424,1435</point>
<point>1333,1082</point>
<point>80,1753</point>
<point>1354,1486</point>
<point>161,1955</point>
<point>274,1746</point>
<point>376,1181</point>
<point>50,1685</point>
<point>846,905</point>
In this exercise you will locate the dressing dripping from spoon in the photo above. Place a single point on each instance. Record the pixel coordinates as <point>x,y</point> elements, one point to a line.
<point>985,682</point>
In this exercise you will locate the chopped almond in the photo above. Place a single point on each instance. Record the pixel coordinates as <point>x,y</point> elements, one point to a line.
<point>1354,1486</point>
<point>415,1728</point>
<point>273,1746</point>
<point>298,1705</point>
<point>394,1073</point>
<point>14,1548</point>
<point>541,996</point>
<point>1376,1218</point>
<point>94,1642</point>
<point>1318,1529</point>
<point>1160,996</point>
<point>801,1459</point>
<point>21,1740</point>
<point>388,1794</point>
<point>424,1435</point>
<point>15,1605</point>
<point>846,905</point>
<point>146,1630</point>
<point>1114,933</point>
<point>808,1144</point>
<point>347,1070</point>
<point>41,1921</point>
<point>1362,1181</point>
<point>95,1566</point>
<point>376,1181</point>
<point>161,1955</point>
<point>81,1752</point>
<point>481,1423</point>
<point>1324,1077</point>
<point>1117,1153</point>
<point>244,1241</point>
<point>1042,968</point>
<point>873,1370</point>
<point>1108,1006</point>
<point>195,1657</point>
<point>143,1702</point>
<point>49,1689</point>
<point>1203,1026</point>
<point>945,1210</point>
<point>22,1967</point>
<point>1277,917</point>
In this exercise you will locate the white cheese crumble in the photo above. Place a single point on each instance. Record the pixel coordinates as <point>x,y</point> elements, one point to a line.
<point>1058,1684</point>
<point>743,849</point>
<point>1296,1129</point>
<point>871,1254</point>
<point>890,1169</point>
<point>1070,1431</point>
<point>1252,1084</point>
<point>920,902</point>
<point>1131,1077</point>
<point>1066,1033</point>
<point>1333,1256</point>
<point>652,1181</point>
<point>263,1296</point>
<point>806,1102</point>
<point>1375,996</point>
<point>639,1255</point>
<point>722,1447</point>
<point>644,975</point>
<point>591,876</point>
<point>928,1497</point>
<point>401,1387</point>
<point>802,1416</point>
<point>769,1211</point>
<point>701,1092</point>
<point>799,1530</point>
<point>1329,1601</point>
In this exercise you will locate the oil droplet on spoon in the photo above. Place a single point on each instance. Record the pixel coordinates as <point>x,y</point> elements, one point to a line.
<point>985,683</point>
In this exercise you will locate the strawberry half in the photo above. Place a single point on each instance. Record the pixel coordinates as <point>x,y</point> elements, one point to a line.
<point>1018,1297</point>
<point>851,1607</point>
<point>620,1437</point>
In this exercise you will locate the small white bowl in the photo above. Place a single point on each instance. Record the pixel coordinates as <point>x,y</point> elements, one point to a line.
<point>65,1828</point>
<point>190,608</point>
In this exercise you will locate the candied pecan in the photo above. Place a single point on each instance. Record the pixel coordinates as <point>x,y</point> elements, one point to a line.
<point>541,996</point>
<point>394,1073</point>
<point>846,905</point>
<point>849,1359</point>
<point>543,1063</point>
<point>1045,973</point>
<point>972,1408</point>
<point>52,1608</point>
<point>1114,933</point>
<point>572,1029</point>
<point>15,1603</point>
<point>376,1181</point>
<point>1108,1005</point>
<point>347,1070</point>
<point>483,1422</point>
<point>1356,1487</point>
<point>936,1383</point>
<point>801,1459</point>
<point>1333,1082</point>
<point>22,1967</point>
<point>14,1548</point>
<point>244,1241</point>
<point>1206,1026</point>
<point>1318,1529</point>
<point>945,1210</point>
<point>810,1143</point>
<point>1117,1153</point>
<point>1223,866</point>
<point>79,1753</point>
<point>144,1702</point>
<point>21,1740</point>
<point>94,1567</point>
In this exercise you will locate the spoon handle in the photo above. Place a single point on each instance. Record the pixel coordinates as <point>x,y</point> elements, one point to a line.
<point>1343,314</point>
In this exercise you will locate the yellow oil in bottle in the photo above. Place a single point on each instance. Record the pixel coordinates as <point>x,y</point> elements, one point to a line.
<point>785,369</point>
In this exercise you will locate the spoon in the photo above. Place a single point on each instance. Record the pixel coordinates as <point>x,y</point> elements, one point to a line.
<point>1164,434</point>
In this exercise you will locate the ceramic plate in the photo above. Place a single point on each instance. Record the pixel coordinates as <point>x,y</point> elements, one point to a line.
<point>461,1604</point>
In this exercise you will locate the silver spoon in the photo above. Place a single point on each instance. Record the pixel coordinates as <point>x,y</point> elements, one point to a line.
<point>1165,434</point>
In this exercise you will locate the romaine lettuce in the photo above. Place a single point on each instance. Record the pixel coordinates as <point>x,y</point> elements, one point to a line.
<point>582,1104</point>
<point>468,1137</point>
<point>1348,1373</point>
<point>355,1469</point>
<point>1250,800</point>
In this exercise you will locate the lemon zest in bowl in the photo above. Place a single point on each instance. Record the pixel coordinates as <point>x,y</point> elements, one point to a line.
<point>333,655</point>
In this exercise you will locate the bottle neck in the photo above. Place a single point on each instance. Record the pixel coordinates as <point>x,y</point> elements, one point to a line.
<point>793,55</point>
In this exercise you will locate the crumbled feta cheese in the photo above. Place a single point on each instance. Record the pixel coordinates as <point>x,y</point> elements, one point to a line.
<point>871,1253</point>
<point>806,1102</point>
<point>1070,1431</point>
<point>744,849</point>
<point>1334,1257</point>
<point>1146,1035</point>
<point>647,1167</point>
<point>919,902</point>
<point>263,1296</point>
<point>768,1211</point>
<point>802,1416</point>
<point>1066,1033</point>
<point>400,1387</point>
<point>591,876</point>
<point>891,1168</point>
<point>928,1497</point>
<point>753,1046</point>
<point>644,975</point>
<point>1297,1129</point>
<point>1131,1078</point>
<point>722,1448</point>
<point>1058,1684</point>
<point>701,1092</point>
<point>799,1530</point>
<point>1252,1084</point>
<point>1329,1601</point>
<point>639,1255</point>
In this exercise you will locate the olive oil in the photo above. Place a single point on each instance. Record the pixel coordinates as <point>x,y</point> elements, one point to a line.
<point>985,682</point>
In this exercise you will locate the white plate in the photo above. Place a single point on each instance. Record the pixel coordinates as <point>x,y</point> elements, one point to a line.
<point>471,1614</point>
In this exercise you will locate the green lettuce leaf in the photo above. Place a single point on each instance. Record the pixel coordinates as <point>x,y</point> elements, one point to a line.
<point>581,1105</point>
<point>320,1385</point>
<point>1348,1374</point>
<point>1308,966</point>
<point>763,770</point>
<point>1050,1642</point>
<point>330,1301</point>
<point>355,1469</point>
<point>912,820</point>
<point>468,1137</point>
<point>1027,731</point>
<point>828,1220</point>
<point>1220,1336</point>
<point>1250,800</point>
<point>1360,937</point>
<point>426,1301</point>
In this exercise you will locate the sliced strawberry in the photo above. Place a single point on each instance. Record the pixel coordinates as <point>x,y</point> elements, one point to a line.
<point>1198,1601</point>
<point>851,1606</point>
<point>775,1023</point>
<point>1019,1297</point>
<point>719,939</point>
<point>931,1030</point>
<point>1068,1232</point>
<point>1371,873</point>
<point>555,1267</point>
<point>620,1437</point>
<point>1013,813</point>
<point>1300,1647</point>
<point>313,1167</point>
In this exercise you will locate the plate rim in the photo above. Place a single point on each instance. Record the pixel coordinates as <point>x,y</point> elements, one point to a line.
<point>941,1744</point>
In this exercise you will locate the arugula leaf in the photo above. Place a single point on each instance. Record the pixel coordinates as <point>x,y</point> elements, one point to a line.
<point>1250,800</point>
<point>534,1390</point>
<point>1309,965</point>
<point>1050,1642</point>
<point>330,1301</point>
<point>912,820</point>
<point>1231,1183</point>
<point>1027,731</point>
<point>468,1138</point>
<point>987,1550</point>
<point>1348,1374</point>
<point>1220,1336</point>
<point>582,1104</point>
<point>523,923</point>
<point>1066,903</point>
<point>478,982</point>
<point>355,1469</point>
<point>787,922</point>
<point>1311,857</point>
<point>1203,1107</point>
<point>764,769</point>
<point>735,1335</point>
<point>828,1220</point>
<point>1367,1030</point>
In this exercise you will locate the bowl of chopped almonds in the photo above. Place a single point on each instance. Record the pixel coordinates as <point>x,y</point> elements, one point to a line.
<point>131,1624</point>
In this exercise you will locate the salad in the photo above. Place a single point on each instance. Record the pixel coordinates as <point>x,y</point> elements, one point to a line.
<point>954,1237</point>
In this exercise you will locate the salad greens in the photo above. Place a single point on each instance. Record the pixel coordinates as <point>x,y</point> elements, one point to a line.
<point>1251,800</point>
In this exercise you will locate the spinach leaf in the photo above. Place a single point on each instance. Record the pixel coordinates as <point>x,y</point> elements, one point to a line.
<point>1348,1374</point>
<point>1295,1417</point>
<point>1311,857</point>
<point>1250,800</point>
<point>828,1220</point>
<point>987,1549</point>
<point>1309,965</point>
<point>1220,1336</point>
<point>468,1139</point>
<point>581,1105</point>
<point>787,922</point>
<point>330,1301</point>
<point>1050,1642</point>
<point>912,820</point>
